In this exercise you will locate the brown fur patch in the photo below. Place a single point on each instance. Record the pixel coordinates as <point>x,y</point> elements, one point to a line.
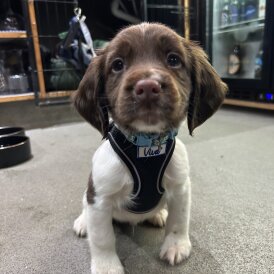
<point>90,191</point>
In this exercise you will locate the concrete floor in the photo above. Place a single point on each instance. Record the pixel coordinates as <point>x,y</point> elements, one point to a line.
<point>232,220</point>
<point>26,114</point>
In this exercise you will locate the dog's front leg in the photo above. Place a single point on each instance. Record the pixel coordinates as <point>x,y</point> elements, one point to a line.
<point>177,245</point>
<point>104,259</point>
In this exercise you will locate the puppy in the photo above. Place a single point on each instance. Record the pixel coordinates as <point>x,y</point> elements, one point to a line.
<point>148,80</point>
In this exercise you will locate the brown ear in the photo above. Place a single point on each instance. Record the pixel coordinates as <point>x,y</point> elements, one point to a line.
<point>208,90</point>
<point>90,99</point>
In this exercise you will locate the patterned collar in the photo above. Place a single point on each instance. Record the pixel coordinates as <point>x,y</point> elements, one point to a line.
<point>151,139</point>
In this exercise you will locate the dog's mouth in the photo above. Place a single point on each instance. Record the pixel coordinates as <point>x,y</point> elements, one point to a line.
<point>149,120</point>
<point>149,116</point>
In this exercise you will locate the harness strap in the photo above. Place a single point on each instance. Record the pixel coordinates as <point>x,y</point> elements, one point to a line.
<point>146,165</point>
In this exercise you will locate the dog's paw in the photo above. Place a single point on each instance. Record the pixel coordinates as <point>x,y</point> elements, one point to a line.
<point>80,226</point>
<point>175,249</point>
<point>159,219</point>
<point>108,266</point>
<point>103,270</point>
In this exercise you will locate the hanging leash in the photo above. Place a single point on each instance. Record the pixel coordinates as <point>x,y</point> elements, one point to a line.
<point>88,39</point>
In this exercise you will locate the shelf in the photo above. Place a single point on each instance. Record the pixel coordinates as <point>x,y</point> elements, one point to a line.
<point>54,94</point>
<point>162,6</point>
<point>33,35</point>
<point>240,24</point>
<point>16,97</point>
<point>254,25</point>
<point>30,96</point>
<point>242,103</point>
<point>13,34</point>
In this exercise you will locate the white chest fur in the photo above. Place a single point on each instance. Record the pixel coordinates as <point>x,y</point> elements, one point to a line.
<point>113,182</point>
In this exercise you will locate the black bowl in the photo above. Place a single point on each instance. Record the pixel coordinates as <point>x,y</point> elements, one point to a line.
<point>11,131</point>
<point>14,150</point>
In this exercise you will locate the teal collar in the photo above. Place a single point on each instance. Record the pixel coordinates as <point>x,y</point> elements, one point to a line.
<point>151,139</point>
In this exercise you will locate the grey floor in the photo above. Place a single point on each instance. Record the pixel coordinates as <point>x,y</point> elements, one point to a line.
<point>29,116</point>
<point>232,220</point>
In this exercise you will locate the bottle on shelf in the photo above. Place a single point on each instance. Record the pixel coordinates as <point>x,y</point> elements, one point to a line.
<point>259,63</point>
<point>242,9</point>
<point>261,9</point>
<point>251,10</point>
<point>234,61</point>
<point>225,14</point>
<point>3,80</point>
<point>234,8</point>
<point>17,80</point>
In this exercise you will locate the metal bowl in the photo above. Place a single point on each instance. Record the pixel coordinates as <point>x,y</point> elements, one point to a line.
<point>14,150</point>
<point>11,131</point>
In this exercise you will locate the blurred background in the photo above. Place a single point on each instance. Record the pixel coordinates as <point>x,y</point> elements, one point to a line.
<point>39,62</point>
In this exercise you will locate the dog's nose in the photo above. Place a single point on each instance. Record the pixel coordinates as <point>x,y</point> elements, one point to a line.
<point>147,89</point>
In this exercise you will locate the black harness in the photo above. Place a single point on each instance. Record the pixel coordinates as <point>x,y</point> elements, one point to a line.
<point>146,165</point>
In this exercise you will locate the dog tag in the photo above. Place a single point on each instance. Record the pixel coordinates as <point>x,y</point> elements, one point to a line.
<point>153,151</point>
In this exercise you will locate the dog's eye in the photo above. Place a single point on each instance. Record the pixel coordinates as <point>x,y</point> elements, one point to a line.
<point>173,60</point>
<point>117,65</point>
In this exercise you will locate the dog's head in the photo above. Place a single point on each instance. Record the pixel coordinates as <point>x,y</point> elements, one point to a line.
<point>149,79</point>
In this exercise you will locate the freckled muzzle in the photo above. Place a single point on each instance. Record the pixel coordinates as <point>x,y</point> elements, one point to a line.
<point>147,97</point>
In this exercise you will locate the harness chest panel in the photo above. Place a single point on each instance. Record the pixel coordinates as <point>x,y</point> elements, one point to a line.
<point>146,165</point>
